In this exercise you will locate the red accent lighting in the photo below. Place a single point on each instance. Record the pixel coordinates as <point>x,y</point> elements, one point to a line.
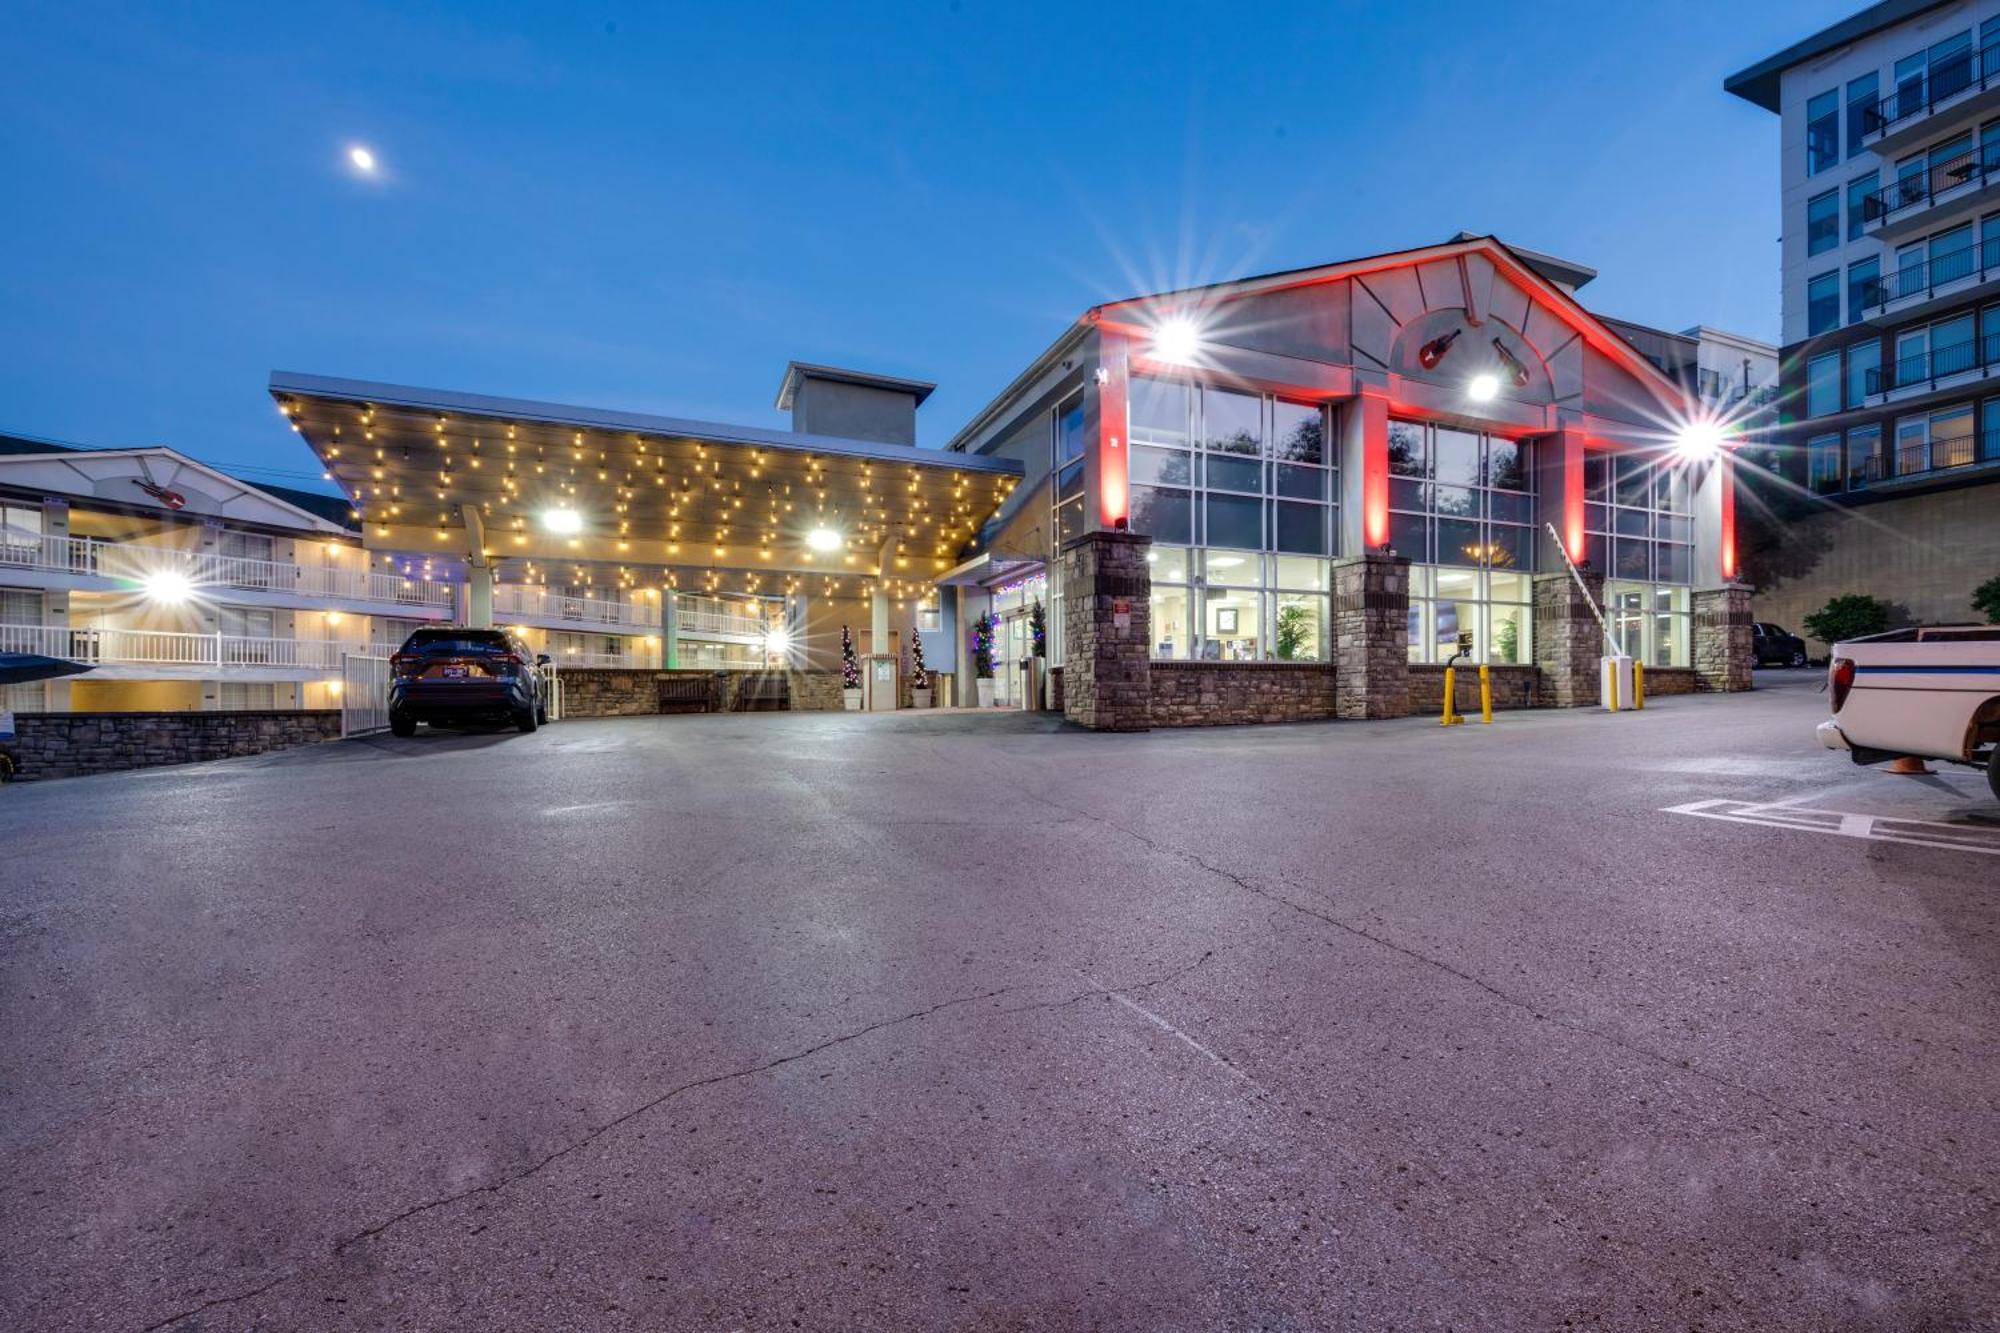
<point>1114,490</point>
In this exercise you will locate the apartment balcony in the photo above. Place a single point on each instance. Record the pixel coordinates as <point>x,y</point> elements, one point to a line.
<point>1952,278</point>
<point>548,608</point>
<point>1960,90</point>
<point>86,564</point>
<point>698,617</point>
<point>1922,202</point>
<point>141,654</point>
<point>1973,456</point>
<point>1913,380</point>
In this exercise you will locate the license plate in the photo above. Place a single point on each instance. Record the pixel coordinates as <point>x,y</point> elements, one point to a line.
<point>454,673</point>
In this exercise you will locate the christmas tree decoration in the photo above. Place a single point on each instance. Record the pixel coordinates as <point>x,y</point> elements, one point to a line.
<point>850,666</point>
<point>1038,628</point>
<point>920,677</point>
<point>982,647</point>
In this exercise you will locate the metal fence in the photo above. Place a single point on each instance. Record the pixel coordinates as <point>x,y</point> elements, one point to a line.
<point>364,694</point>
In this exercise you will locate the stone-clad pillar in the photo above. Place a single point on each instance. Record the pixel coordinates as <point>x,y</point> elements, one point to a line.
<point>1371,636</point>
<point>1568,638</point>
<point>1722,646</point>
<point>1107,631</point>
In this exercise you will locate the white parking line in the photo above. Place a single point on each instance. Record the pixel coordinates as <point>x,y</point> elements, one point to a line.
<point>1848,824</point>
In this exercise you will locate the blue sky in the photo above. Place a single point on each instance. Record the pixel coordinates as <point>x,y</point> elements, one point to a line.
<point>653,207</point>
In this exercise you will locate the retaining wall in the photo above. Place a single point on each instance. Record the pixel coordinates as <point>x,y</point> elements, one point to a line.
<point>67,745</point>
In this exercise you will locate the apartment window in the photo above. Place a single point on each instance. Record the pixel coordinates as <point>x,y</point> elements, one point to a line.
<point>1989,430</point>
<point>1951,65</point>
<point>1910,179</point>
<point>20,534</point>
<point>1069,470</point>
<point>1863,96</point>
<point>1822,222</point>
<point>1951,255</point>
<point>242,696</point>
<point>1858,191</point>
<point>1950,163</point>
<point>1912,445</point>
<point>1823,463</point>
<point>1952,441</point>
<point>1989,237</point>
<point>1823,303</point>
<point>1864,287</point>
<point>1864,371</point>
<point>1954,349</point>
<point>1823,132</point>
<point>1909,85</point>
<point>1823,385</point>
<point>1864,455</point>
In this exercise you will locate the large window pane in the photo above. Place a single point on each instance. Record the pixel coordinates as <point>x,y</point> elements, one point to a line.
<point>1509,508</point>
<point>1232,422</point>
<point>1302,483</point>
<point>1232,625</point>
<point>1235,521</point>
<point>1162,514</point>
<point>1239,567</point>
<point>1506,465</point>
<point>1458,542</point>
<point>1455,501</point>
<point>1299,572</point>
<point>1409,450</point>
<point>1158,409</point>
<point>1410,535</point>
<point>1510,634</point>
<point>1069,432</point>
<point>1300,432</point>
<point>1301,527</point>
<point>1168,564</point>
<point>1235,474</point>
<point>1457,460</point>
<point>1822,222</point>
<point>1300,633</point>
<point>1171,636</point>
<point>1160,467</point>
<point>1069,482</point>
<point>1510,547</point>
<point>1823,303</point>
<point>1823,132</point>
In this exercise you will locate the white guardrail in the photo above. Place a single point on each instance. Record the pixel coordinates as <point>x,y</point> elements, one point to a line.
<point>145,647</point>
<point>539,603</point>
<point>364,694</point>
<point>134,562</point>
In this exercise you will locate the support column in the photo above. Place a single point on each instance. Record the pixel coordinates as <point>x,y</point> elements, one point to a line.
<point>476,601</point>
<point>879,641</point>
<point>1559,497</point>
<point>1107,631</point>
<point>1363,452</point>
<point>1568,639</point>
<point>55,603</point>
<point>1371,636</point>
<point>1722,643</point>
<point>670,630</point>
<point>968,682</point>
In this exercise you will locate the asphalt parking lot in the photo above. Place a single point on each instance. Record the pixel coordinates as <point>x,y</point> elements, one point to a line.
<point>832,1021</point>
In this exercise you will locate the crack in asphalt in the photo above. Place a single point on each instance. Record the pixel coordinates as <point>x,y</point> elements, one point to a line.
<point>1582,1029</point>
<point>584,1141</point>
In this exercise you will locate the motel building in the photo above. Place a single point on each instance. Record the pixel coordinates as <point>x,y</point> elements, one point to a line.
<point>1274,499</point>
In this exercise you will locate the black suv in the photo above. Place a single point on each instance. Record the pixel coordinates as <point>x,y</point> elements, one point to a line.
<point>452,674</point>
<point>1772,646</point>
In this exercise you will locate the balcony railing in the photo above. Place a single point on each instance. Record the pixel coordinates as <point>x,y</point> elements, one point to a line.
<point>1943,454</point>
<point>144,647</point>
<point>1977,260</point>
<point>1948,78</point>
<point>1922,188</point>
<point>134,563</point>
<point>1925,369</point>
<point>694,614</point>
<point>541,603</point>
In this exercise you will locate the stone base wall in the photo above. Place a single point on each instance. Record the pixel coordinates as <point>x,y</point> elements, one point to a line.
<point>1107,683</point>
<point>1663,681</point>
<point>1568,639</point>
<point>1055,689</point>
<point>1220,694</point>
<point>1371,635</point>
<point>67,745</point>
<point>1513,687</point>
<point>635,692</point>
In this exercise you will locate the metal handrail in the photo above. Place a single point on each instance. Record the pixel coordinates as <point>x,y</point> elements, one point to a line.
<point>1957,73</point>
<point>1918,190</point>
<point>135,562</point>
<point>1934,365</point>
<point>1921,279</point>
<point>539,601</point>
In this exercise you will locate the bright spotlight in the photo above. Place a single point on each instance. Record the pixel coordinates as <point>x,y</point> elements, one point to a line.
<point>1483,388</point>
<point>362,160</point>
<point>823,539</point>
<point>565,521</point>
<point>168,586</point>
<point>1699,441</point>
<point>1177,341</point>
<point>778,641</point>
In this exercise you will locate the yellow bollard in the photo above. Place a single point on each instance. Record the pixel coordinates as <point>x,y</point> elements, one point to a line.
<point>1485,694</point>
<point>1611,685</point>
<point>1450,687</point>
<point>1638,685</point>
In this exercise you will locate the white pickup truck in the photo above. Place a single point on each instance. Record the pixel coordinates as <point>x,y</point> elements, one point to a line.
<point>1930,693</point>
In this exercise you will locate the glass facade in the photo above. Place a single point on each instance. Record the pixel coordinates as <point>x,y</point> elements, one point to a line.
<point>1239,493</point>
<point>1640,532</point>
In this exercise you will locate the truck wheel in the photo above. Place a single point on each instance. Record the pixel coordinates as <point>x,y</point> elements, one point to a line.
<point>1798,659</point>
<point>525,719</point>
<point>402,724</point>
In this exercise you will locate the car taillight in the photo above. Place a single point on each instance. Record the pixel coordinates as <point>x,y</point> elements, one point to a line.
<point>403,663</point>
<point>1842,677</point>
<point>509,659</point>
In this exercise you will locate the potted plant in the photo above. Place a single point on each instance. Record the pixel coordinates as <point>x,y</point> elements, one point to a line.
<point>1037,682</point>
<point>982,659</point>
<point>850,672</point>
<point>920,679</point>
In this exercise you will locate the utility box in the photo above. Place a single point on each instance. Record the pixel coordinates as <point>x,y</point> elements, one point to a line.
<point>1614,683</point>
<point>1031,684</point>
<point>880,675</point>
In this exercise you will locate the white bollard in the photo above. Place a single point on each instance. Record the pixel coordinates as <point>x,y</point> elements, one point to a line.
<point>1615,687</point>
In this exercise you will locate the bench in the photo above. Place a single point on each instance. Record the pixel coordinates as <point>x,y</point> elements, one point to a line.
<point>764,691</point>
<point>692,693</point>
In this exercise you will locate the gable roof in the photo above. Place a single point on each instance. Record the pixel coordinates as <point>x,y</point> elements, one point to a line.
<point>318,512</point>
<point>1517,267</point>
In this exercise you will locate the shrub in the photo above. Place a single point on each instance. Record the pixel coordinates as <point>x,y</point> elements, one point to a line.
<point>1986,600</point>
<point>1850,617</point>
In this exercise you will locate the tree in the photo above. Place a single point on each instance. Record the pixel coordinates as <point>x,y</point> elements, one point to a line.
<point>1507,641</point>
<point>920,679</point>
<point>850,666</point>
<point>982,647</point>
<point>1986,600</point>
<point>1038,629</point>
<point>1852,616</point>
<point>1294,631</point>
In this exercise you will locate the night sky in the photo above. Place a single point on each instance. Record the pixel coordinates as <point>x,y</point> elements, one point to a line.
<point>655,207</point>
